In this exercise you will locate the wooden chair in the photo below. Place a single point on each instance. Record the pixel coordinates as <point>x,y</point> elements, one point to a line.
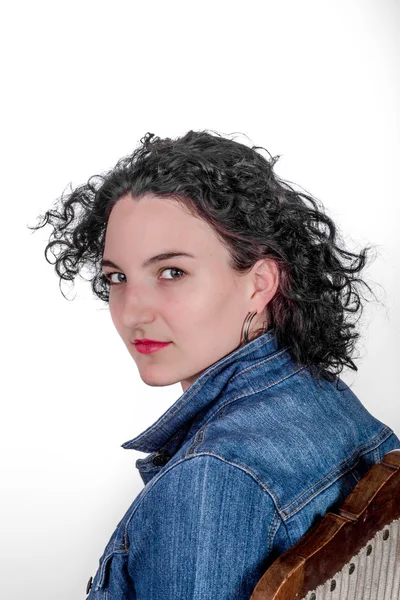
<point>353,554</point>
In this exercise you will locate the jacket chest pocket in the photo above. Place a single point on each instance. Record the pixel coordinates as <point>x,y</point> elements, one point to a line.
<point>112,581</point>
<point>99,586</point>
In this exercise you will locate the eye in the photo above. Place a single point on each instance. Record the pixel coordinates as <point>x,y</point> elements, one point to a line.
<point>115,278</point>
<point>108,278</point>
<point>173,270</point>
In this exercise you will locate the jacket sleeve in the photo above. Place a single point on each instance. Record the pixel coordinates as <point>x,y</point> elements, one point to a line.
<point>203,531</point>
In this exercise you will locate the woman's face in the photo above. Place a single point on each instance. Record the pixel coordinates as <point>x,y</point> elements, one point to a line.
<point>196,303</point>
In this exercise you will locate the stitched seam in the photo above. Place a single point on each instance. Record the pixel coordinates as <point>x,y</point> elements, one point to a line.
<point>246,395</point>
<point>103,567</point>
<point>121,547</point>
<point>195,387</point>
<point>272,530</point>
<point>364,447</point>
<point>162,473</point>
<point>199,438</point>
<point>351,463</point>
<point>260,362</point>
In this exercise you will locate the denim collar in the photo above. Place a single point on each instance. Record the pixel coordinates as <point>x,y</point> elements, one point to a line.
<point>258,364</point>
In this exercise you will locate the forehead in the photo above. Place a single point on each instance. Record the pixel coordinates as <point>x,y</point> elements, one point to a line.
<point>152,223</point>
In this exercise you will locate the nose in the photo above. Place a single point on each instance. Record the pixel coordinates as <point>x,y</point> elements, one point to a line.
<point>137,307</point>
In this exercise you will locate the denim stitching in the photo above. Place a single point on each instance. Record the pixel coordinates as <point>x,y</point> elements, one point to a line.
<point>199,438</point>
<point>260,362</point>
<point>273,528</point>
<point>118,547</point>
<point>101,571</point>
<point>282,512</point>
<point>243,468</point>
<point>351,463</point>
<point>367,447</point>
<point>195,387</point>
<point>360,451</point>
<point>221,411</point>
<point>247,394</point>
<point>157,478</point>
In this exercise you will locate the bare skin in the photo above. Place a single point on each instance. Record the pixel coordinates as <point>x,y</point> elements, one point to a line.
<point>199,304</point>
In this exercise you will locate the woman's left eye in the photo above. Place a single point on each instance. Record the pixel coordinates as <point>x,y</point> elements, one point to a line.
<point>173,269</point>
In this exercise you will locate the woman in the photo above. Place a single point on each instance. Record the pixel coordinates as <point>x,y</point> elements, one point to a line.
<point>221,276</point>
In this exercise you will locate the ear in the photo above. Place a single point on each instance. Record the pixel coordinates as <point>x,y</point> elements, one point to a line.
<point>265,280</point>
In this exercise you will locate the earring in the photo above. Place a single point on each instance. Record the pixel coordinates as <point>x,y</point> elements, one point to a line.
<point>246,326</point>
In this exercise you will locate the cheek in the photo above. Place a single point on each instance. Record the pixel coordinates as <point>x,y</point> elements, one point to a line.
<point>113,307</point>
<point>211,305</point>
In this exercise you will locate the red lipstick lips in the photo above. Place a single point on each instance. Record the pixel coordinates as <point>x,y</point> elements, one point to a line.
<point>145,346</point>
<point>146,341</point>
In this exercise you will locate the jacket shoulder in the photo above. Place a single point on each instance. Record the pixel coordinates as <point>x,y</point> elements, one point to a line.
<point>297,437</point>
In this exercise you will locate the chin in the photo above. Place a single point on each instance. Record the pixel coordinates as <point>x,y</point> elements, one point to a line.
<point>156,379</point>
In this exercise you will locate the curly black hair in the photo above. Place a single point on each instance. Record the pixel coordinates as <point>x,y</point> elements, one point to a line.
<point>234,188</point>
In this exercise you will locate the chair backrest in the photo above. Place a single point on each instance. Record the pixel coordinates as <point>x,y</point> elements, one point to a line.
<point>353,554</point>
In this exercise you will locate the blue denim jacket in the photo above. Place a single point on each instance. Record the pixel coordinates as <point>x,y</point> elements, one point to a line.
<point>240,467</point>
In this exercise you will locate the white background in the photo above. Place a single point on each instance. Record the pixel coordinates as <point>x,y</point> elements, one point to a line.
<point>316,82</point>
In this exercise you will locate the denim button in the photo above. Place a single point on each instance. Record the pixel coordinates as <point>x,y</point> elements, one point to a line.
<point>160,459</point>
<point>89,585</point>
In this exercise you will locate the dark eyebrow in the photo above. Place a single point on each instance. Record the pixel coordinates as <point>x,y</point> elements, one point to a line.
<point>150,261</point>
